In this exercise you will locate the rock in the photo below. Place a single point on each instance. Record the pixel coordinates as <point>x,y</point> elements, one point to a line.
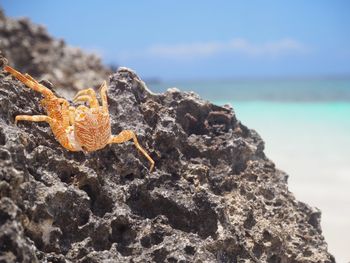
<point>31,49</point>
<point>213,197</point>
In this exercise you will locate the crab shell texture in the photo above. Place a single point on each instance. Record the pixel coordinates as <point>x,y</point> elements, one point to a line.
<point>92,128</point>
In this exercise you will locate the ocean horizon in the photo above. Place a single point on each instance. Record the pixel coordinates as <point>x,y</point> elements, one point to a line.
<point>306,128</point>
<point>271,89</point>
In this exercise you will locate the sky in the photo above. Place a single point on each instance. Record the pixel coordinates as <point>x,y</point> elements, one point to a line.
<point>188,40</point>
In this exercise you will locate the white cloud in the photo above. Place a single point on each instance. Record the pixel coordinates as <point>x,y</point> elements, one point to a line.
<point>235,46</point>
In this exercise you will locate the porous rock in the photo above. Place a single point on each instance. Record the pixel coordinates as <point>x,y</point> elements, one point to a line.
<point>214,196</point>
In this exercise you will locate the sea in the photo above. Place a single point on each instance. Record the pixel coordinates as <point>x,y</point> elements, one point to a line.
<point>305,124</point>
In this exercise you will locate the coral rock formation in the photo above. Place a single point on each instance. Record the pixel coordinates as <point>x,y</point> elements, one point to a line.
<point>213,197</point>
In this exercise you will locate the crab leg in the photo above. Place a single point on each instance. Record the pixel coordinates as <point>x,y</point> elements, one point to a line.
<point>88,95</point>
<point>65,111</point>
<point>127,135</point>
<point>35,118</point>
<point>86,98</point>
<point>31,78</point>
<point>103,94</point>
<point>29,82</point>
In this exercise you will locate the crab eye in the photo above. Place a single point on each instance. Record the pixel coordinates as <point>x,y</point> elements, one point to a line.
<point>84,148</point>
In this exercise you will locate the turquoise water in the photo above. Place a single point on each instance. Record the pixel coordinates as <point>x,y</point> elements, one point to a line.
<point>306,128</point>
<point>325,116</point>
<point>290,90</point>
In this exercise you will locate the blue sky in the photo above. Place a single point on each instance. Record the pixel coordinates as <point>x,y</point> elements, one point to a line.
<point>203,39</point>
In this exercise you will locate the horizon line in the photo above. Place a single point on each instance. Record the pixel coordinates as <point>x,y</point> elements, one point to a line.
<point>160,80</point>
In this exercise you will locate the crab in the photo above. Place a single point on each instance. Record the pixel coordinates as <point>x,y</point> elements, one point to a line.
<point>82,128</point>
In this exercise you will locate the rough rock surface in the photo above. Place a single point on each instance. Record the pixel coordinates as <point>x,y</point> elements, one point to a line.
<point>213,197</point>
<point>31,49</point>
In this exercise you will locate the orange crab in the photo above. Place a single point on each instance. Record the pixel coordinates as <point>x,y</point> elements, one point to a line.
<point>77,129</point>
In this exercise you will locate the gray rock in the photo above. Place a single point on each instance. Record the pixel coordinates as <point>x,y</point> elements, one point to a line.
<point>213,197</point>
